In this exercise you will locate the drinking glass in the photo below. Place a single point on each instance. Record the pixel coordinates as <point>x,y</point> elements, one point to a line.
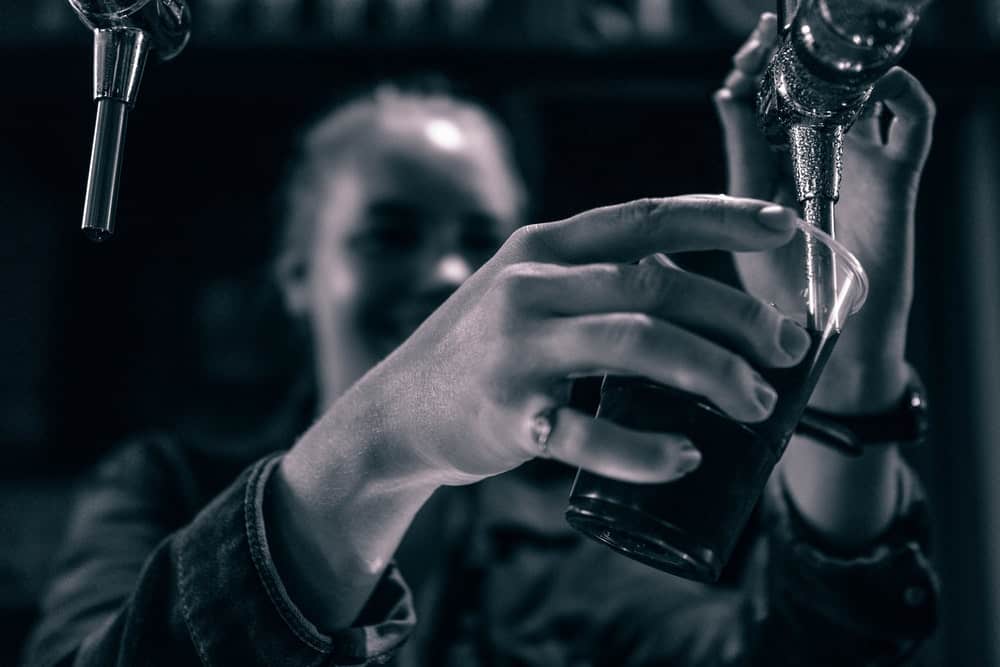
<point>689,527</point>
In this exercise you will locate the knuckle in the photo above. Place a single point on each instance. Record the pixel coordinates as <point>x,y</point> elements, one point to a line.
<point>528,241</point>
<point>732,369</point>
<point>651,280</point>
<point>715,210</point>
<point>526,235</point>
<point>637,211</point>
<point>751,313</point>
<point>725,214</point>
<point>516,285</point>
<point>643,221</point>
<point>521,275</point>
<point>630,331</point>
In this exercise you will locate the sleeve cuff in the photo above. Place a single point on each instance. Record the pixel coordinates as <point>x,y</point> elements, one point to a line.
<point>241,613</point>
<point>885,592</point>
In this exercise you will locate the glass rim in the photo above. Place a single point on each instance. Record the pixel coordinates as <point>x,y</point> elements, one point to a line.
<point>859,287</point>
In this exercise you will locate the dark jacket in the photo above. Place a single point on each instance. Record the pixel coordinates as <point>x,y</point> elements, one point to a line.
<point>166,563</point>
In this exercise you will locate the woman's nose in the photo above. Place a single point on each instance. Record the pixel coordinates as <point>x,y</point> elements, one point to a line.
<point>452,269</point>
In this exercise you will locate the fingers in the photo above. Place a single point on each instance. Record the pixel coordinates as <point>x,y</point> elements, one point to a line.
<point>749,163</point>
<point>637,344</point>
<point>749,160</point>
<point>868,126</point>
<point>911,130</point>
<point>750,59</point>
<point>603,447</point>
<point>629,232</point>
<point>720,313</point>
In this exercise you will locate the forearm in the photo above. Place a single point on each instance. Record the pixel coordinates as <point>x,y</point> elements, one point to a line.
<point>827,606</point>
<point>208,593</point>
<point>337,509</point>
<point>849,501</point>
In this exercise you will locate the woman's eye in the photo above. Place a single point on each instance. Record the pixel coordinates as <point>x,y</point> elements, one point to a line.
<point>397,236</point>
<point>387,237</point>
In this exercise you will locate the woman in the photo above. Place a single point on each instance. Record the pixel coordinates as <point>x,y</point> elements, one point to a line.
<point>437,344</point>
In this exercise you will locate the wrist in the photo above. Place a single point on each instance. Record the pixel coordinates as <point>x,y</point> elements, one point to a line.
<point>861,387</point>
<point>849,501</point>
<point>339,504</point>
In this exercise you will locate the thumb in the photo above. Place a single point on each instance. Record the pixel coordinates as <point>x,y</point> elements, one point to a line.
<point>750,165</point>
<point>912,127</point>
<point>749,162</point>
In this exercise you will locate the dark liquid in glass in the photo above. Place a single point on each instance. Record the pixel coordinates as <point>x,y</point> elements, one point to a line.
<point>689,527</point>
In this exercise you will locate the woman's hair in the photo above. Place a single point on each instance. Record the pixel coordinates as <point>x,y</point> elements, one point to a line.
<point>342,129</point>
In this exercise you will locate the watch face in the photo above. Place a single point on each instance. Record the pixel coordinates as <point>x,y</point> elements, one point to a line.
<point>918,412</point>
<point>905,424</point>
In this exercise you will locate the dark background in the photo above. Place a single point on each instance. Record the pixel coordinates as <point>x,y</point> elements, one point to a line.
<point>175,316</point>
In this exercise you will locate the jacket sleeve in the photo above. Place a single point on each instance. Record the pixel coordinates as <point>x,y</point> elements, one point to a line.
<point>137,586</point>
<point>873,607</point>
<point>801,604</point>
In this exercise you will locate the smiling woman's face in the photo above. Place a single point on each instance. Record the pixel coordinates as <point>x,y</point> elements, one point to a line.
<point>419,203</point>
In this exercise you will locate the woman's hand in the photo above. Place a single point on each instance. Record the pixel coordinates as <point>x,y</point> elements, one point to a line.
<point>457,400</point>
<point>875,215</point>
<point>566,299</point>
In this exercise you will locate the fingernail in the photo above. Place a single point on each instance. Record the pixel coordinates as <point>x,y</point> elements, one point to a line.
<point>767,20</point>
<point>734,80</point>
<point>723,95</point>
<point>745,52</point>
<point>778,218</point>
<point>689,459</point>
<point>765,395</point>
<point>793,339</point>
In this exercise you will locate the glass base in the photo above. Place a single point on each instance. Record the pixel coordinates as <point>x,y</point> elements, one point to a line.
<point>644,538</point>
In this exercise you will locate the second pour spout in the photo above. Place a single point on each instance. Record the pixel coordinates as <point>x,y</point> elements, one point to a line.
<point>125,33</point>
<point>817,82</point>
<point>817,155</point>
<point>119,58</point>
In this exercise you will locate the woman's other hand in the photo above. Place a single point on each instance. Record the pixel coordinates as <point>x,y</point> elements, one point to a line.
<point>884,156</point>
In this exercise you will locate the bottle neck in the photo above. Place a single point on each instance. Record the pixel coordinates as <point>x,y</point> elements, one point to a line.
<point>853,40</point>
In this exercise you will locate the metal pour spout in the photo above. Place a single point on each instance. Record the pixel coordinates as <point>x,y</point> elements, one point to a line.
<point>119,58</point>
<point>124,35</point>
<point>817,165</point>
<point>815,86</point>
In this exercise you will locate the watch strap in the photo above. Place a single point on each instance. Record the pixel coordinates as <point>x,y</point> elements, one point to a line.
<point>905,422</point>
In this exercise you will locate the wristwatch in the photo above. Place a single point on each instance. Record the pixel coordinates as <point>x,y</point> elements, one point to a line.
<point>904,423</point>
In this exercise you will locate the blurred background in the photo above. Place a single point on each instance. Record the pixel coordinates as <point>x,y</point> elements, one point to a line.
<point>174,319</point>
